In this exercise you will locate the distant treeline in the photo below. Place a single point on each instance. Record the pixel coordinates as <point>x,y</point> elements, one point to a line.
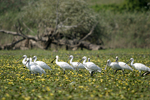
<point>127,5</point>
<point>124,25</point>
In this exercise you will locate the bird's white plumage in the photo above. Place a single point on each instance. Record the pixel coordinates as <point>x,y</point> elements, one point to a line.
<point>123,65</point>
<point>90,66</point>
<point>75,64</point>
<point>139,66</point>
<point>41,63</point>
<point>35,69</point>
<point>113,65</point>
<point>64,65</point>
<point>24,59</point>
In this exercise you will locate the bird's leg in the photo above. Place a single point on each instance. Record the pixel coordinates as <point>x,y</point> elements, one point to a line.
<point>116,71</point>
<point>123,72</point>
<point>64,71</point>
<point>146,73</point>
<point>140,73</point>
<point>92,73</point>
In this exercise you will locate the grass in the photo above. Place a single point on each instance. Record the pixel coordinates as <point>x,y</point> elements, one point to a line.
<point>17,83</point>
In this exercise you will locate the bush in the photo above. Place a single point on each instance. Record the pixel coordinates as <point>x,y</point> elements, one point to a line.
<point>75,18</point>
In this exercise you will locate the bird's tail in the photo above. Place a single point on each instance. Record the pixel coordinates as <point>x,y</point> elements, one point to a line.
<point>43,72</point>
<point>99,70</point>
<point>131,69</point>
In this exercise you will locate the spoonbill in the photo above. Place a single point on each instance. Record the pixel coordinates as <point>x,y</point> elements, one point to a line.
<point>123,65</point>
<point>140,67</point>
<point>41,63</point>
<point>114,66</point>
<point>35,69</point>
<point>63,65</point>
<point>75,64</point>
<point>90,66</point>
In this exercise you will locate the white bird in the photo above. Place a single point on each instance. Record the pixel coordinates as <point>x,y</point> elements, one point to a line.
<point>113,65</point>
<point>24,60</point>
<point>90,66</point>
<point>34,69</point>
<point>41,63</point>
<point>63,65</point>
<point>140,67</point>
<point>123,65</point>
<point>75,64</point>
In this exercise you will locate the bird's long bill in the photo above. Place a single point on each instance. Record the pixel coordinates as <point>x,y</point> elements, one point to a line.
<point>19,59</point>
<point>80,61</point>
<point>128,62</point>
<point>33,58</point>
<point>68,59</point>
<point>53,60</point>
<point>27,62</point>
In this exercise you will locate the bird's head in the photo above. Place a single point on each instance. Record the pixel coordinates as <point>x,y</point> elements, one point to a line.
<point>24,56</point>
<point>131,59</point>
<point>117,58</point>
<point>34,57</point>
<point>84,58</point>
<point>108,62</point>
<point>71,56</point>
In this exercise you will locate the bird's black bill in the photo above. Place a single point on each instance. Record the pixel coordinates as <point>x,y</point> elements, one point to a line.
<point>27,62</point>
<point>128,62</point>
<point>80,61</point>
<point>68,59</point>
<point>53,60</point>
<point>19,59</point>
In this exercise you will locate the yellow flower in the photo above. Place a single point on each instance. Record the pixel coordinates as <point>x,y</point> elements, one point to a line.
<point>27,98</point>
<point>11,83</point>
<point>3,98</point>
<point>7,95</point>
<point>47,88</point>
<point>51,94</point>
<point>81,87</point>
<point>42,79</point>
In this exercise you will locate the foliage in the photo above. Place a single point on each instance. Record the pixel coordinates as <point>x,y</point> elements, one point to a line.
<point>126,30</point>
<point>12,5</point>
<point>118,28</point>
<point>17,83</point>
<point>74,18</point>
<point>127,5</point>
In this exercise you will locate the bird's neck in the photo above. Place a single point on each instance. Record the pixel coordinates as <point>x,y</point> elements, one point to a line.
<point>132,63</point>
<point>56,60</point>
<point>23,61</point>
<point>29,65</point>
<point>109,63</point>
<point>71,60</point>
<point>35,59</point>
<point>84,61</point>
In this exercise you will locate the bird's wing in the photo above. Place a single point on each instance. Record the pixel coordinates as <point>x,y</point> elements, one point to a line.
<point>140,66</point>
<point>115,65</point>
<point>92,66</point>
<point>125,66</point>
